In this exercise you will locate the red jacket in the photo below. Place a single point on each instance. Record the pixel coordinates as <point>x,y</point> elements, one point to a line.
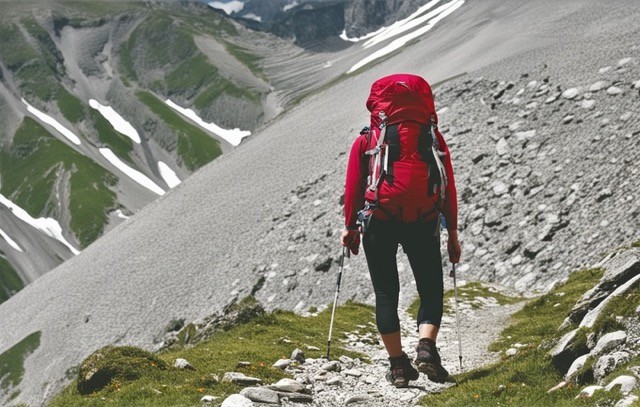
<point>357,172</point>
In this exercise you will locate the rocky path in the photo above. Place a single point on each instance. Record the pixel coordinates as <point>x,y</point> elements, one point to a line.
<point>347,381</point>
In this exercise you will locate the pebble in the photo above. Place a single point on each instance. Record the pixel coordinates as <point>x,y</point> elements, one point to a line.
<point>237,400</point>
<point>261,395</point>
<point>588,104</point>
<point>334,381</point>
<point>568,119</point>
<point>288,385</point>
<point>282,363</point>
<point>353,372</point>
<point>597,86</point>
<point>183,364</point>
<point>333,366</point>
<point>208,399</point>
<point>511,352</point>
<point>571,93</point>
<point>240,378</point>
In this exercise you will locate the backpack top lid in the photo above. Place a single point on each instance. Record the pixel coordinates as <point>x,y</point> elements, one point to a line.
<point>401,97</point>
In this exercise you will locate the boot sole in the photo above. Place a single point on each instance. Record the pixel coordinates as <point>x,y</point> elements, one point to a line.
<point>400,382</point>
<point>433,372</point>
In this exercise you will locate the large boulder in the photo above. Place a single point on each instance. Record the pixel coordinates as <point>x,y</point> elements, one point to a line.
<point>122,363</point>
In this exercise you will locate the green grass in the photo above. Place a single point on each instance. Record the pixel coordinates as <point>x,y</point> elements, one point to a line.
<point>48,50</point>
<point>37,160</point>
<point>119,143</point>
<point>70,106</point>
<point>249,59</point>
<point>12,361</point>
<point>195,146</point>
<point>10,282</point>
<point>221,86</point>
<point>260,341</point>
<point>529,374</point>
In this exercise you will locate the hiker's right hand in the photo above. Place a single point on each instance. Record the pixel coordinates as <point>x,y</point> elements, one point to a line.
<point>351,239</point>
<point>453,246</point>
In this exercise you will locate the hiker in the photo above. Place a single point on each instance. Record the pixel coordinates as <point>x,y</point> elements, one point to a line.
<point>399,180</point>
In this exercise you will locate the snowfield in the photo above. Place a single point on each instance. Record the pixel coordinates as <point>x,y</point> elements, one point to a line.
<point>168,175</point>
<point>45,118</point>
<point>118,122</point>
<point>430,19</point>
<point>234,136</point>
<point>135,175</point>
<point>48,226</point>
<point>229,7</point>
<point>9,240</point>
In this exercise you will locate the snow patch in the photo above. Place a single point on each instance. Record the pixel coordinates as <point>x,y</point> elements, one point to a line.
<point>168,175</point>
<point>121,215</point>
<point>364,37</point>
<point>48,226</point>
<point>234,136</point>
<point>45,118</point>
<point>117,121</point>
<point>11,242</point>
<point>229,7</point>
<point>438,14</point>
<point>252,16</point>
<point>289,6</point>
<point>135,175</point>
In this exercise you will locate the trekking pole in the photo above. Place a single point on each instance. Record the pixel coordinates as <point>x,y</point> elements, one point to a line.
<point>335,298</point>
<point>455,294</point>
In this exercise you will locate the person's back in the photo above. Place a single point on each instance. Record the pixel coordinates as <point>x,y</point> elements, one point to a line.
<point>399,181</point>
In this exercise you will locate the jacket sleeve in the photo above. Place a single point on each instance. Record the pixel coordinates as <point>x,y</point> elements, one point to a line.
<point>355,183</point>
<point>450,210</point>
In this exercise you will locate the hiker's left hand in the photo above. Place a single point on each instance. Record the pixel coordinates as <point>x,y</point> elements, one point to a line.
<point>453,246</point>
<point>351,239</point>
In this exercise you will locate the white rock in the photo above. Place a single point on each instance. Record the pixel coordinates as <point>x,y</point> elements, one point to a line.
<point>502,147</point>
<point>576,365</point>
<point>604,69</point>
<point>511,352</point>
<point>624,61</point>
<point>626,383</point>
<point>334,381</point>
<point>288,385</point>
<point>208,399</point>
<point>609,342</point>
<point>614,90</point>
<point>588,391</point>
<point>239,378</point>
<point>353,372</point>
<point>312,348</point>
<point>282,363</point>
<point>261,395</point>
<point>627,401</point>
<point>597,86</point>
<point>236,400</point>
<point>500,188</point>
<point>588,104</point>
<point>571,93</point>
<point>525,135</point>
<point>183,364</point>
<point>636,85</point>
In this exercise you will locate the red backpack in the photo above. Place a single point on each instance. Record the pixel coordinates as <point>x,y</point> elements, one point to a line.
<point>406,178</point>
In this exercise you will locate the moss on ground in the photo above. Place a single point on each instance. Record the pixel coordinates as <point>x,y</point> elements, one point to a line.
<point>10,282</point>
<point>195,147</point>
<point>37,160</point>
<point>12,361</point>
<point>260,341</point>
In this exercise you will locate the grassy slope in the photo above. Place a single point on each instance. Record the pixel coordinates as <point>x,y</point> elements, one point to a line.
<point>36,161</point>
<point>527,376</point>
<point>195,147</point>
<point>261,342</point>
<point>12,361</point>
<point>10,282</point>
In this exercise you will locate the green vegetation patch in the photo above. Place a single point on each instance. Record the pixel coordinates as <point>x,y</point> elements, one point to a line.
<point>524,378</point>
<point>119,143</point>
<point>12,360</point>
<point>195,146</point>
<point>36,161</point>
<point>624,305</point>
<point>10,282</point>
<point>70,106</point>
<point>249,59</point>
<point>261,341</point>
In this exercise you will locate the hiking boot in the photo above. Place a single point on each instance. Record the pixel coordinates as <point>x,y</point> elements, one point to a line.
<point>401,371</point>
<point>428,361</point>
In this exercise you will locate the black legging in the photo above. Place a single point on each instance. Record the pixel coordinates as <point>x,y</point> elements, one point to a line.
<point>422,247</point>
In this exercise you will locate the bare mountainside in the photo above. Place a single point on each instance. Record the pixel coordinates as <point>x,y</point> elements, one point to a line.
<point>265,218</point>
<point>107,105</point>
